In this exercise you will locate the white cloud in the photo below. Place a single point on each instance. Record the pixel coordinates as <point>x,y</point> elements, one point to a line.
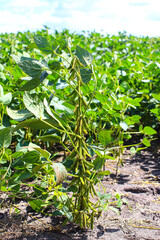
<point>134,16</point>
<point>27,3</point>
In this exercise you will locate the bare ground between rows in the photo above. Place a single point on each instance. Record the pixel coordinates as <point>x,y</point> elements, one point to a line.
<point>138,181</point>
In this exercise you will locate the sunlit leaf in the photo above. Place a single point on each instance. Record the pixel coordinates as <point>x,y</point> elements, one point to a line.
<point>84,56</point>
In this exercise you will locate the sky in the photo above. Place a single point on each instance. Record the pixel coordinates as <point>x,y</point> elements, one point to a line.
<point>135,17</point>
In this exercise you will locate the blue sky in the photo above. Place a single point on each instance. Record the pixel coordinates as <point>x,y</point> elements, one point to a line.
<point>136,17</point>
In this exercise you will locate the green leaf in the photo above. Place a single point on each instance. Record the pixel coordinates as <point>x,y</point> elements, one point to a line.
<point>31,157</point>
<point>43,44</point>
<point>133,150</point>
<point>61,84</point>
<point>7,98</point>
<point>50,138</point>
<point>24,175</point>
<point>84,56</point>
<point>98,163</point>
<point>103,173</point>
<point>124,125</point>
<point>146,142</point>
<point>119,203</point>
<point>1,92</point>
<point>18,115</point>
<point>14,188</point>
<point>44,153</point>
<point>149,130</point>
<point>31,67</point>
<point>37,124</point>
<point>17,155</point>
<point>36,205</point>
<point>102,98</point>
<point>44,74</point>
<point>33,83</point>
<point>57,213</point>
<point>1,67</point>
<point>53,114</point>
<point>61,106</point>
<point>104,196</point>
<point>86,74</point>
<point>34,105</point>
<point>5,137</point>
<point>156,96</point>
<point>54,65</point>
<point>2,76</point>
<point>66,59</point>
<point>104,137</point>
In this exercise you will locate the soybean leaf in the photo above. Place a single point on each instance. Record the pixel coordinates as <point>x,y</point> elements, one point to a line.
<point>19,115</point>
<point>1,92</point>
<point>31,67</point>
<point>102,98</point>
<point>98,163</point>
<point>149,130</point>
<point>103,173</point>
<point>34,105</point>
<point>31,157</point>
<point>5,137</point>
<point>43,44</point>
<point>133,150</point>
<point>50,138</point>
<point>156,96</point>
<point>84,56</point>
<point>24,175</point>
<point>33,83</point>
<point>6,99</point>
<point>1,67</point>
<point>66,59</point>
<point>44,74</point>
<point>124,125</point>
<point>104,137</point>
<point>36,205</point>
<point>61,84</point>
<point>53,114</point>
<point>86,74</point>
<point>44,153</point>
<point>37,124</point>
<point>54,65</point>
<point>146,142</point>
<point>60,105</point>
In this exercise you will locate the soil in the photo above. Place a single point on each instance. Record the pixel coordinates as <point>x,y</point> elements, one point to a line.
<point>139,183</point>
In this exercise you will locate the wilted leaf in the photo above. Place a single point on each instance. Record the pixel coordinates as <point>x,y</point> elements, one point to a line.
<point>60,171</point>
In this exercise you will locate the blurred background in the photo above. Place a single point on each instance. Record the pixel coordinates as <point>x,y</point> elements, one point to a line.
<point>136,17</point>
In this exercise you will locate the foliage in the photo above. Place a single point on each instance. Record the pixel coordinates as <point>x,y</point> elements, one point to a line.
<point>86,94</point>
